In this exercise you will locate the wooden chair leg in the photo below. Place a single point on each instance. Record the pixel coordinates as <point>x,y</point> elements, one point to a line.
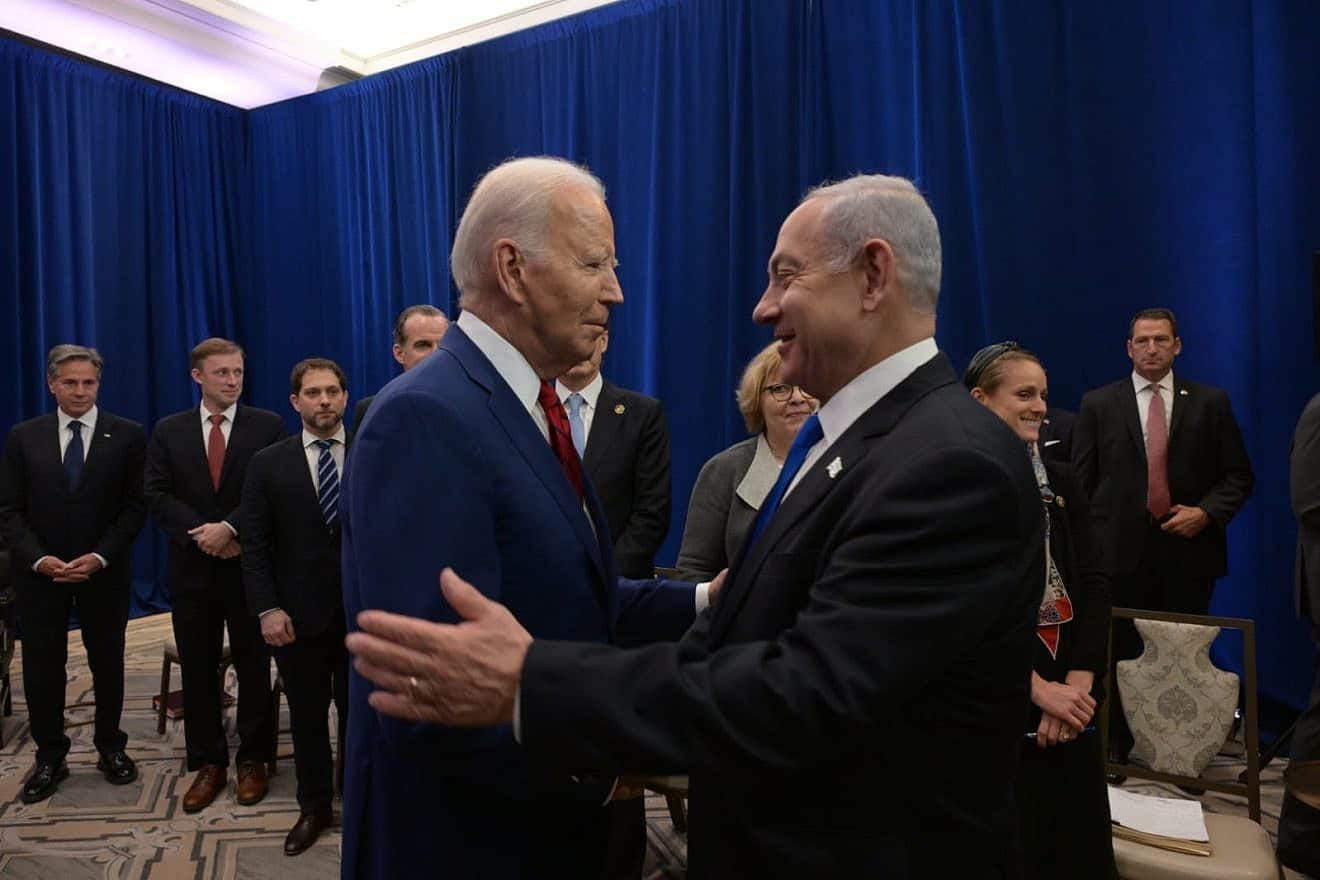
<point>164,695</point>
<point>677,812</point>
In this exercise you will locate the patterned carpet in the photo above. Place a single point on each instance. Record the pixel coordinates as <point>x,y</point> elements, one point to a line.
<point>91,829</point>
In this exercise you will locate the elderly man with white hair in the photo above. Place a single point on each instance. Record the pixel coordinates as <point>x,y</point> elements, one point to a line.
<point>852,704</point>
<point>467,462</point>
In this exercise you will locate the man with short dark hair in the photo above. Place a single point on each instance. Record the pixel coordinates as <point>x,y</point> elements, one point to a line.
<point>417,331</point>
<point>196,463</point>
<point>1163,462</point>
<point>70,507</point>
<point>290,527</point>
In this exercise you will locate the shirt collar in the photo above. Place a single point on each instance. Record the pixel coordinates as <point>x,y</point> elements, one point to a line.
<point>228,414</point>
<point>88,418</point>
<point>867,388</point>
<point>507,360</point>
<point>1141,383</point>
<point>590,394</point>
<point>308,438</point>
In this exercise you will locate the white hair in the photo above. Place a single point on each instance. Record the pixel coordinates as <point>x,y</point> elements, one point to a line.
<point>880,206</point>
<point>512,201</point>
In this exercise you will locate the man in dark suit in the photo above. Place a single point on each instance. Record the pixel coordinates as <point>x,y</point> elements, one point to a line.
<point>290,527</point>
<point>1163,462</point>
<point>623,441</point>
<point>1056,434</point>
<point>467,460</point>
<point>875,635</point>
<point>70,506</point>
<point>196,463</point>
<point>417,332</point>
<point>1299,824</point>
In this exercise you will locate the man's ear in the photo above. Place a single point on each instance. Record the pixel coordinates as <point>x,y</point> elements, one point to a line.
<point>510,269</point>
<point>878,264</point>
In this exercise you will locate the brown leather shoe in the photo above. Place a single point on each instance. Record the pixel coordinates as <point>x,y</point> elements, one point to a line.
<point>305,831</point>
<point>209,782</point>
<point>252,784</point>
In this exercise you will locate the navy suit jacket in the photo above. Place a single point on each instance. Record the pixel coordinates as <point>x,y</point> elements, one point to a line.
<point>448,469</point>
<point>852,705</point>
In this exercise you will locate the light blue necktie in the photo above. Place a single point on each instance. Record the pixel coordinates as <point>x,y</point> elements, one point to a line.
<point>808,436</point>
<point>327,476</point>
<point>74,455</point>
<point>575,425</point>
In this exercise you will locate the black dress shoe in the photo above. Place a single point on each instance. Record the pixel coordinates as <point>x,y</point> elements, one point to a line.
<point>44,781</point>
<point>305,831</point>
<point>118,768</point>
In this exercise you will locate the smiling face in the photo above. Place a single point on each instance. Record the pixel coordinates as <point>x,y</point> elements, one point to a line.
<point>1020,397</point>
<point>221,379</point>
<point>571,286</point>
<point>74,386</point>
<point>815,309</point>
<point>784,417</point>
<point>1153,348</point>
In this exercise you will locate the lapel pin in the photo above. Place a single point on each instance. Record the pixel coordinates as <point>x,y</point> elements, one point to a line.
<point>619,408</point>
<point>106,436</point>
<point>1058,499</point>
<point>1182,391</point>
<point>834,467</point>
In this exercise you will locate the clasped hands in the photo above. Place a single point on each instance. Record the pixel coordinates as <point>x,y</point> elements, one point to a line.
<point>1066,707</point>
<point>74,572</point>
<point>215,539</point>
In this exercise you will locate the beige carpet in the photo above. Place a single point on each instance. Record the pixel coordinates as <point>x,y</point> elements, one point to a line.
<point>91,829</point>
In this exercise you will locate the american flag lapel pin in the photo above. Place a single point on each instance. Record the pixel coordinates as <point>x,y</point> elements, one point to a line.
<point>1182,392</point>
<point>834,468</point>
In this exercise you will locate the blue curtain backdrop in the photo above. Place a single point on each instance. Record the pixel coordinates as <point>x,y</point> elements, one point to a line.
<point>1083,161</point>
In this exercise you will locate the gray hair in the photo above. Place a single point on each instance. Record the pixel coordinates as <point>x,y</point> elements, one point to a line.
<point>879,206</point>
<point>511,201</point>
<point>62,354</point>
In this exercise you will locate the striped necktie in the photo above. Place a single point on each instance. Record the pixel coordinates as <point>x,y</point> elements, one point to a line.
<point>327,481</point>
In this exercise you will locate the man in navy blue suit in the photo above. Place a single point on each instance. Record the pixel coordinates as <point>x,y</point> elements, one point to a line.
<point>467,461</point>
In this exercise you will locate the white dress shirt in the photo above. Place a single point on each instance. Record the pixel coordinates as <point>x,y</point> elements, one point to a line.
<point>225,428</point>
<point>1142,384</point>
<point>314,454</point>
<point>590,395</point>
<point>88,422</point>
<point>863,392</point>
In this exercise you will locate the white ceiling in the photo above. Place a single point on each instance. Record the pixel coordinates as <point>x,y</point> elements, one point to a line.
<point>254,52</point>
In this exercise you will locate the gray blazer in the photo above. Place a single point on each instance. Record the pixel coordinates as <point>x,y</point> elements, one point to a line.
<point>728,493</point>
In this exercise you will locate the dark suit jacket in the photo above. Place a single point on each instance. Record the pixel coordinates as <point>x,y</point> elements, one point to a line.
<point>627,459</point>
<point>852,705</point>
<point>450,470</point>
<point>1056,434</point>
<point>180,494</point>
<point>360,410</point>
<point>1208,468</point>
<point>1304,485</point>
<point>40,516</point>
<point>290,556</point>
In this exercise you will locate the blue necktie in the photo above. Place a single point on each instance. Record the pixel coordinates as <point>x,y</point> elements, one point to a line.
<point>808,436</point>
<point>327,477</point>
<point>575,425</point>
<point>73,455</point>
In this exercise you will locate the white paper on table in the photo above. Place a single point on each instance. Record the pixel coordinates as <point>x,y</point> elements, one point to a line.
<point>1169,817</point>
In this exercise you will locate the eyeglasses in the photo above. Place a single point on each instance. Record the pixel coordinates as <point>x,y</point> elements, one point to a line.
<point>781,391</point>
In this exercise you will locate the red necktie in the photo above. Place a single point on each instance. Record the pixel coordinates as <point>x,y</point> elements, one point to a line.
<point>215,450</point>
<point>1157,456</point>
<point>561,436</point>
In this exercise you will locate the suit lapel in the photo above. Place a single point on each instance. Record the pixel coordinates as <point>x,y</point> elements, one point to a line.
<point>1127,397</point>
<point>238,435</point>
<point>605,425</point>
<point>1182,399</point>
<point>296,454</point>
<point>47,452</point>
<point>97,437</point>
<point>523,434</point>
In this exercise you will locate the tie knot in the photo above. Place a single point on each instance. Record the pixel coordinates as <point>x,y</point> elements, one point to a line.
<point>217,419</point>
<point>809,434</point>
<point>1154,388</point>
<point>324,444</point>
<point>575,403</point>
<point>75,426</point>
<point>547,396</point>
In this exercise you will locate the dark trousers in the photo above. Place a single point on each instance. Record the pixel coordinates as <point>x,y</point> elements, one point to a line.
<point>1299,825</point>
<point>103,611</point>
<point>315,671</point>
<point>1064,809</point>
<point>199,625</point>
<point>1162,581</point>
<point>625,853</point>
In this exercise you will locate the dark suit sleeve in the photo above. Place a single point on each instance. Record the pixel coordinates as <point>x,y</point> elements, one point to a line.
<point>273,432</point>
<point>1304,468</point>
<point>1089,583</point>
<point>648,523</point>
<point>121,533</point>
<point>899,594</point>
<point>701,556</point>
<point>24,545</point>
<point>1085,451</point>
<point>174,516</point>
<point>653,610</point>
<point>258,529</point>
<point>1230,492</point>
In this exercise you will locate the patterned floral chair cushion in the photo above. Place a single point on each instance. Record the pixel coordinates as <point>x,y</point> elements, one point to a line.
<point>1178,704</point>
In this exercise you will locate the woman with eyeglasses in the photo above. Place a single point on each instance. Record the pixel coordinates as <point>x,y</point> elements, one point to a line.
<point>1062,796</point>
<point>731,486</point>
